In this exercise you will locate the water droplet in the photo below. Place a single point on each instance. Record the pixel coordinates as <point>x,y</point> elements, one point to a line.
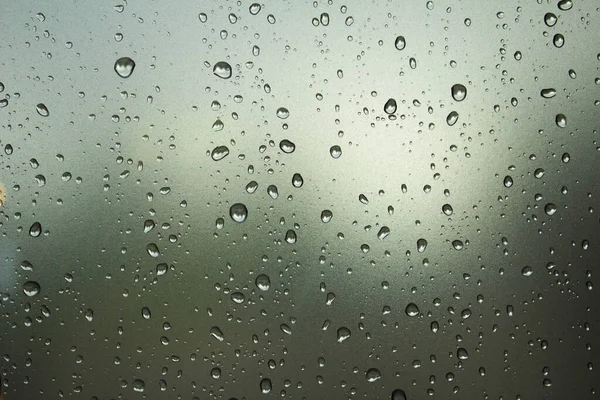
<point>238,297</point>
<point>218,125</point>
<point>462,354</point>
<point>326,216</point>
<point>31,288</point>
<point>335,151</point>
<point>458,92</point>
<point>290,236</point>
<point>42,110</point>
<point>251,187</point>
<point>550,209</point>
<point>138,385</point>
<point>273,191</point>
<point>548,93</point>
<point>390,106</point>
<point>286,146</point>
<point>566,157</point>
<point>561,120</point>
<point>219,153</point>
<point>324,19</point>
<point>452,118</point>
<point>26,266</point>
<point>215,373</point>
<point>152,250</point>
<point>373,374</point>
<point>161,269</point>
<point>297,180</point>
<point>572,74</point>
<point>508,181</point>
<point>266,386</point>
<point>398,395</point>
<point>254,8</point>
<point>400,43</point>
<point>238,212</point>
<point>41,17</point>
<point>282,113</point>
<point>203,17</point>
<point>35,230</point>
<point>146,314</point>
<point>124,67</point>
<point>222,70</point>
<point>558,40</point>
<point>565,5</point>
<point>343,334</point>
<point>412,310</point>
<point>526,271</point>
<point>383,233</point>
<point>216,332</point>
<point>148,225</point>
<point>263,282</point>
<point>447,209</point>
<point>550,19</point>
<point>457,244</point>
<point>421,245</point>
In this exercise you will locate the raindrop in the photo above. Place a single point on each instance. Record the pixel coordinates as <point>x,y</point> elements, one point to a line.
<point>152,250</point>
<point>124,67</point>
<point>219,153</point>
<point>297,180</point>
<point>286,146</point>
<point>263,282</point>
<point>138,385</point>
<point>457,244</point>
<point>447,209</point>
<point>254,8</point>
<point>548,93</point>
<point>558,40</point>
<point>550,19</point>
<point>412,310</point>
<point>383,233</point>
<point>251,187</point>
<point>452,118</point>
<point>216,332</point>
<point>363,199</point>
<point>390,106</point>
<point>526,271</point>
<point>459,92</point>
<point>561,120</point>
<point>400,43</point>
<point>373,374</point>
<point>272,191</point>
<point>326,216</point>
<point>265,386</point>
<point>421,245</point>
<point>398,395</point>
<point>238,212</point>
<point>335,151</point>
<point>565,5</point>
<point>31,288</point>
<point>324,19</point>
<point>550,209</point>
<point>42,110</point>
<point>508,181</point>
<point>282,113</point>
<point>238,297</point>
<point>290,236</point>
<point>35,230</point>
<point>222,70</point>
<point>146,314</point>
<point>343,334</point>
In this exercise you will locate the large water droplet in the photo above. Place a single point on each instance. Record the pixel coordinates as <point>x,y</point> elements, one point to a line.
<point>326,216</point>
<point>400,43</point>
<point>31,288</point>
<point>343,334</point>
<point>558,40</point>
<point>411,310</point>
<point>561,120</point>
<point>290,236</point>
<point>548,93</point>
<point>458,92</point>
<point>452,118</point>
<point>35,229</point>
<point>550,19</point>
<point>254,8</point>
<point>273,191</point>
<point>219,153</point>
<point>390,106</point>
<point>286,146</point>
<point>373,374</point>
<point>222,69</point>
<point>508,181</point>
<point>421,245</point>
<point>398,395</point>
<point>335,151</point>
<point>447,209</point>
<point>263,282</point>
<point>124,67</point>
<point>138,385</point>
<point>216,332</point>
<point>297,180</point>
<point>565,5</point>
<point>238,212</point>
<point>42,110</point>
<point>550,209</point>
<point>383,233</point>
<point>282,113</point>
<point>265,386</point>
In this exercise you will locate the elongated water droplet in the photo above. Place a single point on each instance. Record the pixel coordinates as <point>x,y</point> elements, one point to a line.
<point>400,43</point>
<point>219,153</point>
<point>452,118</point>
<point>290,236</point>
<point>390,106</point>
<point>216,332</point>
<point>273,191</point>
<point>42,110</point>
<point>383,233</point>
<point>222,69</point>
<point>124,67</point>
<point>35,230</point>
<point>548,93</point>
<point>565,5</point>
<point>508,181</point>
<point>421,245</point>
<point>398,395</point>
<point>146,314</point>
<point>251,187</point>
<point>286,146</point>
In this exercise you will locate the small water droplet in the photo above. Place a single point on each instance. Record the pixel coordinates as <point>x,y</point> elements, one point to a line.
<point>526,271</point>
<point>203,17</point>
<point>124,67</point>
<point>251,187</point>
<point>222,69</point>
<point>41,17</point>
<point>238,212</point>
<point>218,125</point>
<point>238,297</point>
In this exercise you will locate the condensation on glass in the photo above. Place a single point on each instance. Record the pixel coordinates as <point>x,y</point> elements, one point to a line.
<point>300,200</point>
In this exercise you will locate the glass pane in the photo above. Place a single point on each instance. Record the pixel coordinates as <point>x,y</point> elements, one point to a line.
<point>303,200</point>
